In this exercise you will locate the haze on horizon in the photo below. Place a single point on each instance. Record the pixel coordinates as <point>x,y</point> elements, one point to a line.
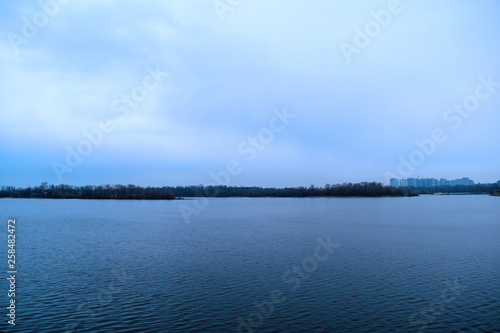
<point>286,93</point>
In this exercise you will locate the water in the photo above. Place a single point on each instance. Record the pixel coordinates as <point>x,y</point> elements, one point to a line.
<point>401,265</point>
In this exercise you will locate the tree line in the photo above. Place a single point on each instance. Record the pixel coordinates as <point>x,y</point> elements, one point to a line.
<point>88,192</point>
<point>364,189</point>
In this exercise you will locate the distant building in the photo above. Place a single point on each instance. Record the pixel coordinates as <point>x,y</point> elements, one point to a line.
<point>431,182</point>
<point>412,182</point>
<point>462,182</point>
<point>444,182</point>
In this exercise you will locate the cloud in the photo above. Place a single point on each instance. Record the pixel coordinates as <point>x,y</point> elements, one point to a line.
<point>227,76</point>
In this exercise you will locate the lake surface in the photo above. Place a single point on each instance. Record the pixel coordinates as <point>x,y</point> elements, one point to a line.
<point>425,264</point>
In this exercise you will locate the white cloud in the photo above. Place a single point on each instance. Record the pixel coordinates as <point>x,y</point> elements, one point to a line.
<point>227,76</point>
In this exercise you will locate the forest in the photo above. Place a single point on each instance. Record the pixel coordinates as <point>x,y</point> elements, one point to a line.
<point>167,192</point>
<point>88,192</point>
<point>363,189</point>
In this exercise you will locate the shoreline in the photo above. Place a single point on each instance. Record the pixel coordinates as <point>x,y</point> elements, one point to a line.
<point>257,197</point>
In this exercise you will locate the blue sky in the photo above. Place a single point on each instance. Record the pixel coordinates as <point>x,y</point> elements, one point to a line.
<point>221,78</point>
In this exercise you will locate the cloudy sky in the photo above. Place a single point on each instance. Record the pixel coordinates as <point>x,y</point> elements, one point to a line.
<point>286,92</point>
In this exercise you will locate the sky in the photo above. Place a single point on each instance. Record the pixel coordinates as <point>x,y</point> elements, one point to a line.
<point>238,92</point>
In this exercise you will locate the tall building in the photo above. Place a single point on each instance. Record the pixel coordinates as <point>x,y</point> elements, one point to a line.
<point>444,182</point>
<point>463,182</point>
<point>431,182</point>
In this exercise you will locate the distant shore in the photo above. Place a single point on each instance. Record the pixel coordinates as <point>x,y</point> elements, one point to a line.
<point>134,192</point>
<point>130,191</point>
